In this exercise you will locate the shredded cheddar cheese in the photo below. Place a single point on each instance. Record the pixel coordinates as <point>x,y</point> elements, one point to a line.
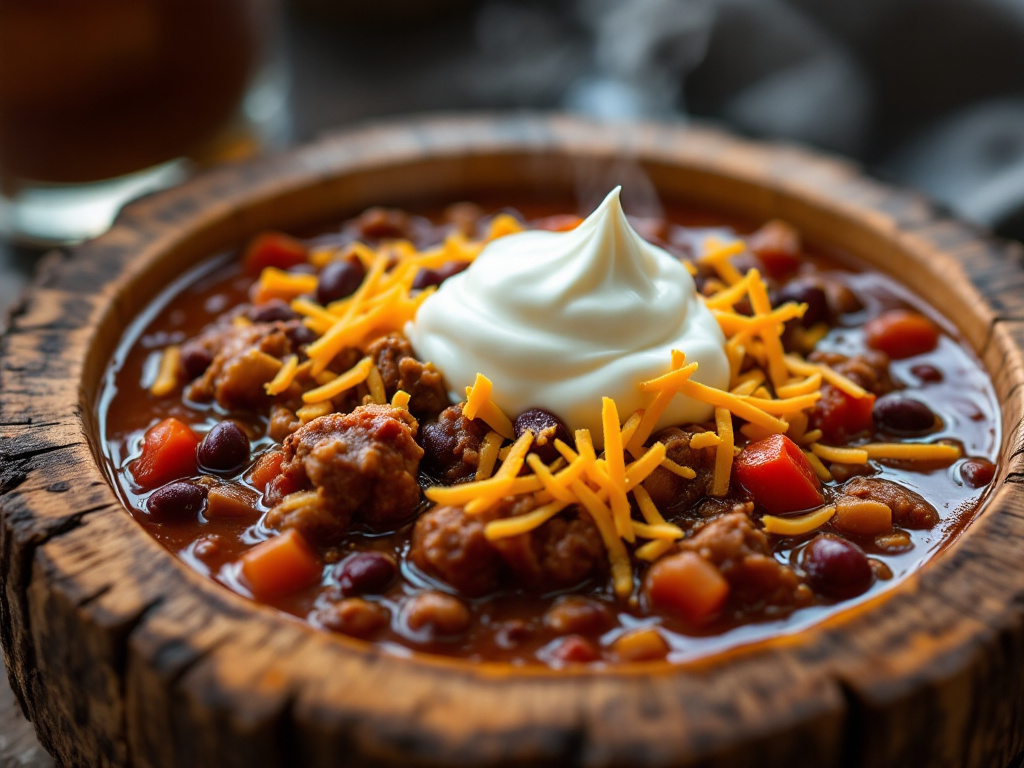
<point>840,455</point>
<point>167,376</point>
<point>340,384</point>
<point>794,526</point>
<point>284,378</point>
<point>770,391</point>
<point>401,400</point>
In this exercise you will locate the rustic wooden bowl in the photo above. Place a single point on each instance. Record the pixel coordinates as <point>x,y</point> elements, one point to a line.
<point>121,655</point>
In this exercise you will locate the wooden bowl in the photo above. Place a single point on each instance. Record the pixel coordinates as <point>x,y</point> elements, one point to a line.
<point>121,655</point>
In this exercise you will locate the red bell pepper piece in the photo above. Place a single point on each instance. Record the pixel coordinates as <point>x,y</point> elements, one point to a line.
<point>273,249</point>
<point>901,333</point>
<point>778,475</point>
<point>840,416</point>
<point>168,453</point>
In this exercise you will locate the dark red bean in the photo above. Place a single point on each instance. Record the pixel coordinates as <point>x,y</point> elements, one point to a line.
<point>300,335</point>
<point>338,280</point>
<point>181,500</point>
<point>836,567</point>
<point>195,359</point>
<point>811,293</point>
<point>365,572</point>
<point>224,448</point>
<point>428,277</point>
<point>575,650</point>
<point>977,473</point>
<point>546,428</point>
<point>898,413</point>
<point>274,310</point>
<point>927,373</point>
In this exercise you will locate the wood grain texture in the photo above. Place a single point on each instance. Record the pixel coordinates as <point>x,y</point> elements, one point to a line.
<point>122,656</point>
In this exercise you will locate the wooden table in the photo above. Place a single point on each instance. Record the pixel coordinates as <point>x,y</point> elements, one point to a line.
<point>18,745</point>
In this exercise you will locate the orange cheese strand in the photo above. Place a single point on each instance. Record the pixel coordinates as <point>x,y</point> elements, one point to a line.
<point>355,375</point>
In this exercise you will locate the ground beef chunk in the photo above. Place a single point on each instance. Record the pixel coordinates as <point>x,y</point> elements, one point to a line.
<point>451,445</point>
<point>870,370</point>
<point>242,360</point>
<point>743,556</point>
<point>385,224</point>
<point>400,370</point>
<point>909,509</point>
<point>563,552</point>
<point>283,422</point>
<point>362,465</point>
<point>670,492</point>
<point>450,544</point>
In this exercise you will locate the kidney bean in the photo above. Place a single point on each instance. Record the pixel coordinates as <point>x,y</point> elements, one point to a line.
<point>836,567</point>
<point>809,292</point>
<point>272,311</point>
<point>195,359</point>
<point>899,413</point>
<point>977,472</point>
<point>546,428</point>
<point>338,280</point>
<point>224,448</point>
<point>365,572</point>
<point>428,277</point>
<point>180,500</point>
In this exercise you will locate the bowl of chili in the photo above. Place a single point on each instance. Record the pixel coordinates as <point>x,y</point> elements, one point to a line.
<point>371,638</point>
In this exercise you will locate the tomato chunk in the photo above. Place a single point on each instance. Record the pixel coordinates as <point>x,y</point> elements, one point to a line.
<point>901,333</point>
<point>688,585</point>
<point>777,245</point>
<point>779,476</point>
<point>273,249</point>
<point>168,453</point>
<point>280,566</point>
<point>839,415</point>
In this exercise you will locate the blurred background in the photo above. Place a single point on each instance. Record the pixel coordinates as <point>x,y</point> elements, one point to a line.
<point>116,97</point>
<point>926,93</point>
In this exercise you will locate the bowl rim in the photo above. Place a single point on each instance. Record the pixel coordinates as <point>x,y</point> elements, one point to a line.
<point>77,302</point>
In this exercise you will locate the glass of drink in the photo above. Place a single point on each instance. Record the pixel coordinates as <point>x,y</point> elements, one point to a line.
<point>104,100</point>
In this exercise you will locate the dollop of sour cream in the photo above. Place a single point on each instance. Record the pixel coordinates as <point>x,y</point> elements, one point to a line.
<point>558,320</point>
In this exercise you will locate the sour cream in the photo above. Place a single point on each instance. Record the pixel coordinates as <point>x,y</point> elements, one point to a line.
<point>558,320</point>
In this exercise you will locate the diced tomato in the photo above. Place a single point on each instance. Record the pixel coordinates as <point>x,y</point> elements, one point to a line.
<point>839,416</point>
<point>777,245</point>
<point>779,476</point>
<point>901,333</point>
<point>688,585</point>
<point>268,466</point>
<point>563,222</point>
<point>168,453</point>
<point>273,249</point>
<point>280,566</point>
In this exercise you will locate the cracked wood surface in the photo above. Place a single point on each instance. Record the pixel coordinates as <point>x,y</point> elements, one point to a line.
<point>122,656</point>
